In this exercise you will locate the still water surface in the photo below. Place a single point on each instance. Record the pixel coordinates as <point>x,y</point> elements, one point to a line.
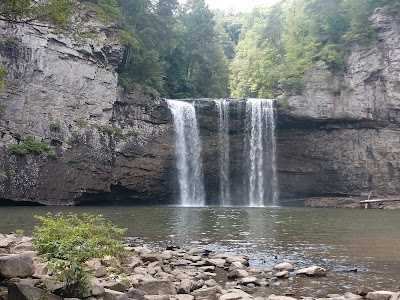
<point>339,240</point>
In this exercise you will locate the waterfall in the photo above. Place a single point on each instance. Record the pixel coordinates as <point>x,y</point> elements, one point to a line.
<point>188,158</point>
<point>261,175</point>
<point>223,142</point>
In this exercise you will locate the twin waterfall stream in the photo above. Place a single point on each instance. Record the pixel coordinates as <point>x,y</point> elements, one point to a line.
<point>259,178</point>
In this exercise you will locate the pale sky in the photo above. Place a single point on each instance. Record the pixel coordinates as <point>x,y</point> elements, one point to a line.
<point>239,5</point>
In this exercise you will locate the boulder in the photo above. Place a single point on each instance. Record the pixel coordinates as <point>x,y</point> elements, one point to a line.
<point>211,282</point>
<point>379,295</point>
<point>96,288</point>
<point>16,265</point>
<point>217,262</point>
<point>151,257</point>
<point>352,296</point>
<point>20,291</point>
<point>284,266</point>
<point>184,287</point>
<point>236,265</point>
<point>197,251</point>
<point>157,288</point>
<point>364,290</point>
<point>114,285</point>
<point>21,247</point>
<point>240,292</point>
<point>110,261</point>
<point>249,280</point>
<point>230,296</point>
<point>282,274</point>
<point>113,295</point>
<point>313,271</point>
<point>135,294</point>
<point>205,293</point>
<point>395,296</point>
<point>237,274</point>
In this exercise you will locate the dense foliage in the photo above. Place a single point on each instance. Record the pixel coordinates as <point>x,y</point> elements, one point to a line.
<point>279,45</point>
<point>70,241</point>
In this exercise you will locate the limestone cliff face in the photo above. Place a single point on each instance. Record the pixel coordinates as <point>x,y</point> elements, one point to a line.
<point>65,93</point>
<point>341,137</point>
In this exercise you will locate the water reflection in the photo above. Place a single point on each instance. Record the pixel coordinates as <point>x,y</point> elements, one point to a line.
<point>339,240</point>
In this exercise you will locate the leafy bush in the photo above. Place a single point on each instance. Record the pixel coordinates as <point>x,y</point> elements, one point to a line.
<point>69,241</point>
<point>112,130</point>
<point>80,122</point>
<point>3,176</point>
<point>133,133</point>
<point>28,146</point>
<point>55,127</point>
<point>3,72</point>
<point>70,140</point>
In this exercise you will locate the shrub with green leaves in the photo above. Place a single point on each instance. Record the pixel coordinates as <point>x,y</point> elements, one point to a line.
<point>28,146</point>
<point>69,241</point>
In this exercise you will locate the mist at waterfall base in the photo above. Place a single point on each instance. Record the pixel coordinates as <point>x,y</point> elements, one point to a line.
<point>259,180</point>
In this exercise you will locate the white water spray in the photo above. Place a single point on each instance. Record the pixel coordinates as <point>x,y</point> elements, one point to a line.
<point>223,141</point>
<point>188,157</point>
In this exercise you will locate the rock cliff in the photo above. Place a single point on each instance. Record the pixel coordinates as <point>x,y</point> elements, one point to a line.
<point>339,138</point>
<point>65,94</point>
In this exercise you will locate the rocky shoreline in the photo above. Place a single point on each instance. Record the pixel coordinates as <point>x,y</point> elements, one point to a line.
<point>172,274</point>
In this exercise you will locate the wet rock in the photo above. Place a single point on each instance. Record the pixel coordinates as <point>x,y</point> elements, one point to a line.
<point>313,271</point>
<point>157,288</point>
<point>20,291</point>
<point>16,265</point>
<point>284,266</point>
<point>379,295</point>
<point>364,290</point>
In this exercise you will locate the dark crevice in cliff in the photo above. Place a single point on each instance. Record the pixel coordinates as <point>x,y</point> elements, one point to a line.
<point>118,195</point>
<point>8,202</point>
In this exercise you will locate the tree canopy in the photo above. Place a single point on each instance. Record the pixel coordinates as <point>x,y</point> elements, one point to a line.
<point>187,50</point>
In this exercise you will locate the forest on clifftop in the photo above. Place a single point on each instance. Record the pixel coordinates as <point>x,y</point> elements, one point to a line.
<point>186,50</point>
